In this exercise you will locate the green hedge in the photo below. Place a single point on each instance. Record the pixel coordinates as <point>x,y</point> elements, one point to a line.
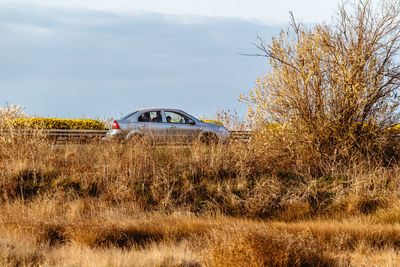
<point>54,123</point>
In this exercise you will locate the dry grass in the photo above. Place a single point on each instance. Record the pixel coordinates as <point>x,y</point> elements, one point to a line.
<point>86,233</point>
<point>236,179</point>
<point>111,204</point>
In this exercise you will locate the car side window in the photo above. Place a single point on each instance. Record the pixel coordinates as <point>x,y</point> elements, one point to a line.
<point>151,116</point>
<point>173,117</point>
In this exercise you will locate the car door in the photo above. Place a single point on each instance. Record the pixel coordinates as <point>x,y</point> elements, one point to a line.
<point>150,124</point>
<point>181,128</point>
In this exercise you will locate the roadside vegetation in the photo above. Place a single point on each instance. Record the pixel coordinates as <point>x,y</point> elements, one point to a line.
<point>111,204</point>
<point>138,204</point>
<point>56,124</point>
<point>333,88</point>
<point>12,117</point>
<point>317,185</point>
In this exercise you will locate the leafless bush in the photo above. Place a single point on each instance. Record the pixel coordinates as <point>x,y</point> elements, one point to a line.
<point>333,87</point>
<point>11,111</point>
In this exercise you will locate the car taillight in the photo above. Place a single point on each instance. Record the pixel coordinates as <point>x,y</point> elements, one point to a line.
<point>115,125</point>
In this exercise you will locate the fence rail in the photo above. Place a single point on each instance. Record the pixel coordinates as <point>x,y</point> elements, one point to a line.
<point>86,135</point>
<point>240,135</point>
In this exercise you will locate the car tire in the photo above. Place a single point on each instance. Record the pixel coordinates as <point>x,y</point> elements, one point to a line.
<point>136,138</point>
<point>209,138</point>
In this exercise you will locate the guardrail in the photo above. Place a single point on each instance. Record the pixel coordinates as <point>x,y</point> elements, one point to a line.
<point>85,135</point>
<point>58,136</point>
<point>240,135</point>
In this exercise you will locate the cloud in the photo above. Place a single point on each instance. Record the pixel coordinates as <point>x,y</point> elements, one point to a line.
<point>94,63</point>
<point>26,29</point>
<point>272,12</point>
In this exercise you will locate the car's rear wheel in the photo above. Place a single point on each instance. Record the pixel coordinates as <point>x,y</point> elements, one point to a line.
<point>209,138</point>
<point>137,138</point>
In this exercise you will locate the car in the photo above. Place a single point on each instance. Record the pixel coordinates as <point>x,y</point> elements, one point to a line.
<point>165,125</point>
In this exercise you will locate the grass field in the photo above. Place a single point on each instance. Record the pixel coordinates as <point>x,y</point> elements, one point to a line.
<point>111,204</point>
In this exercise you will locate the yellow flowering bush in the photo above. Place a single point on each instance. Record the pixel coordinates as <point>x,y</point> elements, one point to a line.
<point>54,123</point>
<point>395,129</point>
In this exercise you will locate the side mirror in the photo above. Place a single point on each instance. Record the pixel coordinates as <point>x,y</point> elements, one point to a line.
<point>191,122</point>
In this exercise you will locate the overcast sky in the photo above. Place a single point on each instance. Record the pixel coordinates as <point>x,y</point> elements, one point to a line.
<point>267,11</point>
<point>101,58</point>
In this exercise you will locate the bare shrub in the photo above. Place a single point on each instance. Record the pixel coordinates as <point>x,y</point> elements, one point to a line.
<point>333,87</point>
<point>11,111</point>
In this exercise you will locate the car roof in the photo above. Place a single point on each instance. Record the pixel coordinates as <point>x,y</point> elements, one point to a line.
<point>159,108</point>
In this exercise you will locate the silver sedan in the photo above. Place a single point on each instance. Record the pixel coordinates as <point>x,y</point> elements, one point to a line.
<point>167,126</point>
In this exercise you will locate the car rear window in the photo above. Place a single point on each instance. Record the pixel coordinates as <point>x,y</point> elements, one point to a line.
<point>128,115</point>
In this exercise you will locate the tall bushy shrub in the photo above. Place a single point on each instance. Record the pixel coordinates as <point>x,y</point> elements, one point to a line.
<point>333,87</point>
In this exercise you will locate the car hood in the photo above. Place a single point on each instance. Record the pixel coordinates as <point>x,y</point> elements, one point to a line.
<point>213,125</point>
<point>210,124</point>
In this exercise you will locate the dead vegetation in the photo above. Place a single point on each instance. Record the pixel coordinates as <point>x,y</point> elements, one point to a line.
<point>52,231</point>
<point>113,204</point>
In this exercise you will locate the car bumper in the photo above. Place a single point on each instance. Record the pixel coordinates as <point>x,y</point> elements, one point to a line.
<point>224,137</point>
<point>114,134</point>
